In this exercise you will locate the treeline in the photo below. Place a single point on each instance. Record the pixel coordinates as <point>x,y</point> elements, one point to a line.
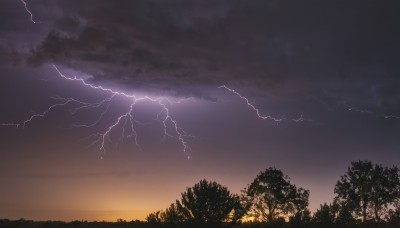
<point>367,195</point>
<point>5,223</point>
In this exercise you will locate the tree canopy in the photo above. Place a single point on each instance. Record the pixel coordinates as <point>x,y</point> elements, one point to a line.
<point>368,190</point>
<point>204,203</point>
<point>324,215</point>
<point>271,195</point>
<point>365,192</point>
<point>209,202</point>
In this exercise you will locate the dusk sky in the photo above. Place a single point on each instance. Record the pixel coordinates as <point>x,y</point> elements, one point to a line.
<point>110,109</point>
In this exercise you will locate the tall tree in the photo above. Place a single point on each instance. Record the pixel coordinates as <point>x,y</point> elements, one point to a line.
<point>271,195</point>
<point>209,202</point>
<point>368,190</point>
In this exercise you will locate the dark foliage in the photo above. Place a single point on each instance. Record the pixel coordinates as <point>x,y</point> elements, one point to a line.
<point>271,196</point>
<point>368,190</point>
<point>5,223</point>
<point>204,203</point>
<point>324,215</point>
<point>209,202</point>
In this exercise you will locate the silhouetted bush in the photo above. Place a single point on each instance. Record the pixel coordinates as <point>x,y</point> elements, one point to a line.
<point>205,203</point>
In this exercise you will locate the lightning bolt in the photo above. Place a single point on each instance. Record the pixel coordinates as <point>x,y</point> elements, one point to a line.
<point>39,115</point>
<point>258,112</point>
<point>368,112</point>
<point>344,105</point>
<point>125,121</point>
<point>301,118</point>
<point>27,10</point>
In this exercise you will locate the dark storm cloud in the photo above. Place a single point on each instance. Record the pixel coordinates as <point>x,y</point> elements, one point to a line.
<point>18,34</point>
<point>277,47</point>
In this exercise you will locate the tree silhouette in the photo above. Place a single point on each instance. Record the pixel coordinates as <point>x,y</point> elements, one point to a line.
<point>271,195</point>
<point>394,213</point>
<point>300,218</point>
<point>154,217</point>
<point>343,213</point>
<point>324,215</point>
<point>172,215</point>
<point>368,190</point>
<point>209,202</point>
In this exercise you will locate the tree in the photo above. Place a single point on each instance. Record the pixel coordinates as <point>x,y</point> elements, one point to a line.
<point>343,214</point>
<point>324,215</point>
<point>172,215</point>
<point>271,195</point>
<point>368,190</point>
<point>301,218</point>
<point>209,202</point>
<point>394,213</point>
<point>154,217</point>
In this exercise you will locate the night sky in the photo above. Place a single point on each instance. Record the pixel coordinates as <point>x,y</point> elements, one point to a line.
<point>326,72</point>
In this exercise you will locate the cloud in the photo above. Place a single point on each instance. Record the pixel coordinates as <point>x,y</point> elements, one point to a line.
<point>272,47</point>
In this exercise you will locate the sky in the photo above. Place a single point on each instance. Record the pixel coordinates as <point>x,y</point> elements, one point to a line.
<point>111,109</point>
